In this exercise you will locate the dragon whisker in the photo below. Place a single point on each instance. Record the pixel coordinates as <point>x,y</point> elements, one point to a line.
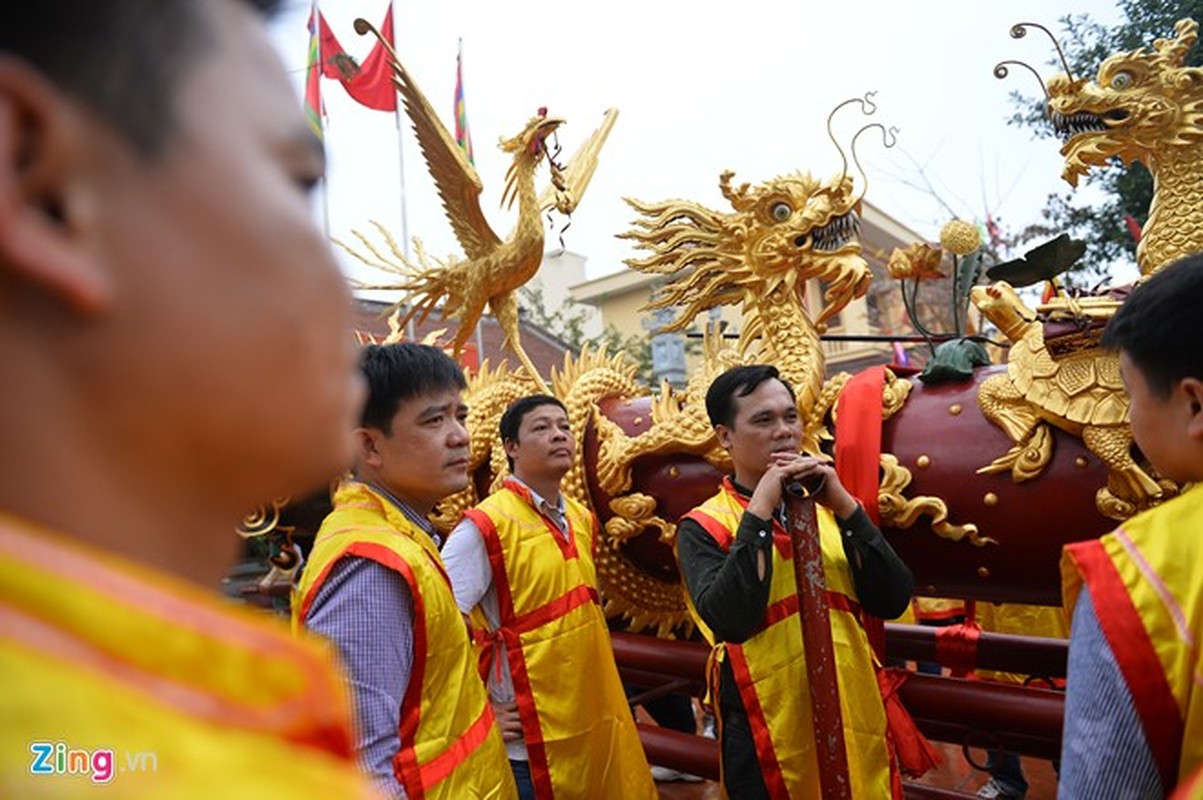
<point>1001,71</point>
<point>1020,30</point>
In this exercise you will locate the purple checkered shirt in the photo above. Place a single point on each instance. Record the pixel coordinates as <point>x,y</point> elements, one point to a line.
<point>366,610</point>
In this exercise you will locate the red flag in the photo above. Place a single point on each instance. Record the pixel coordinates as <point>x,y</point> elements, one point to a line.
<point>370,83</point>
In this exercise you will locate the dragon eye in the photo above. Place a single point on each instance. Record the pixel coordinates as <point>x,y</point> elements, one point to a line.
<point>1121,80</point>
<point>781,211</point>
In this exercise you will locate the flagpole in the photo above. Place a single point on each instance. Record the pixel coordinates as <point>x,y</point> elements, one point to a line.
<point>326,205</point>
<point>410,326</point>
<point>318,110</point>
<point>467,147</point>
<point>325,120</point>
<point>401,157</point>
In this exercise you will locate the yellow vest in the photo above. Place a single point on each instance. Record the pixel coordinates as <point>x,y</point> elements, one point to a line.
<point>120,675</point>
<point>770,667</point>
<point>1191,788</point>
<point>1146,583</point>
<point>450,746</point>
<point>579,732</point>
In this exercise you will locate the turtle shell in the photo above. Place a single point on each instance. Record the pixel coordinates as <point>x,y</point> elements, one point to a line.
<point>1083,387</point>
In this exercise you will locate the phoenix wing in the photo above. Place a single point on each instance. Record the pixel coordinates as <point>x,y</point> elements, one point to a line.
<point>455,178</point>
<point>580,169</point>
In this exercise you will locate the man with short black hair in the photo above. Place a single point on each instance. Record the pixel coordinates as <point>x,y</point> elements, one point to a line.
<point>375,587</point>
<point>162,287</point>
<point>521,564</point>
<point>735,558</point>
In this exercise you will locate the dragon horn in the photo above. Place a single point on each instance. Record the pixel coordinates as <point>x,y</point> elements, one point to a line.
<point>1186,31</point>
<point>737,197</point>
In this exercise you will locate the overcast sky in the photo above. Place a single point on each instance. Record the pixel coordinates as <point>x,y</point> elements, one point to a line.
<point>744,86</point>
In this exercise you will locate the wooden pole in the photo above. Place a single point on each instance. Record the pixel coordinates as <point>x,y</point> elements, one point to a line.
<point>815,617</point>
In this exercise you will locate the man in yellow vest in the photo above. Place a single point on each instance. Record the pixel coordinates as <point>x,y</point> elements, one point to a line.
<point>521,563</point>
<point>376,587</point>
<point>162,287</point>
<point>735,559</point>
<point>1134,700</point>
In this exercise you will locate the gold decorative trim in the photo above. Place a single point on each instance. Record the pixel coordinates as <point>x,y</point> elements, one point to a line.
<point>263,520</point>
<point>1027,459</point>
<point>635,512</point>
<point>894,393</point>
<point>898,511</point>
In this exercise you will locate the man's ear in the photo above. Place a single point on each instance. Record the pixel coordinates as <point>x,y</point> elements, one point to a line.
<point>1192,389</point>
<point>510,446</point>
<point>723,433</point>
<point>366,451</point>
<point>43,212</point>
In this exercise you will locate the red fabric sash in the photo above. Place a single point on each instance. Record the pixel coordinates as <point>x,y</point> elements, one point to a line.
<point>858,446</point>
<point>858,459</point>
<point>1134,652</point>
<point>857,462</point>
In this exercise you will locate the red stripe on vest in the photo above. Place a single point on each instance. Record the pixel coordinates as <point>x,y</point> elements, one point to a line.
<point>566,543</point>
<point>442,766</point>
<point>724,537</point>
<point>562,605</point>
<point>405,762</point>
<point>713,527</point>
<point>1133,650</point>
<point>788,606</point>
<point>532,735</point>
<point>488,533</point>
<point>766,753</point>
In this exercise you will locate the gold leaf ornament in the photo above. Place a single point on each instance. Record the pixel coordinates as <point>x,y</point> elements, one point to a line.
<point>920,261</point>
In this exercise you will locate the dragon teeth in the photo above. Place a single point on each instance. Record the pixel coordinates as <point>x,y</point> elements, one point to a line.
<point>1082,122</point>
<point>836,233</point>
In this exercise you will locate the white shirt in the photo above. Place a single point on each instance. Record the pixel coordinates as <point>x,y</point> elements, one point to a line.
<point>471,575</point>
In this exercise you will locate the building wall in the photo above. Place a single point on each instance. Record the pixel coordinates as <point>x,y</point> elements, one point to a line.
<point>559,271</point>
<point>544,349</point>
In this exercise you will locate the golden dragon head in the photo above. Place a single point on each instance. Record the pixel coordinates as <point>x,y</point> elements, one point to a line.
<point>1002,305</point>
<point>1142,102</point>
<point>780,235</point>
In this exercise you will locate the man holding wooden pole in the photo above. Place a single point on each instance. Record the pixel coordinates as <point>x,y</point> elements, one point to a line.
<point>800,713</point>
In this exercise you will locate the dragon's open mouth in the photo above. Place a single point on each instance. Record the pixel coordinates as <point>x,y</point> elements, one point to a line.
<point>1069,126</point>
<point>834,234</point>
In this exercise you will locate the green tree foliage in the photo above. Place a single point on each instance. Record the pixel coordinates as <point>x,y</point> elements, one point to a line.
<point>568,324</point>
<point>1126,190</point>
